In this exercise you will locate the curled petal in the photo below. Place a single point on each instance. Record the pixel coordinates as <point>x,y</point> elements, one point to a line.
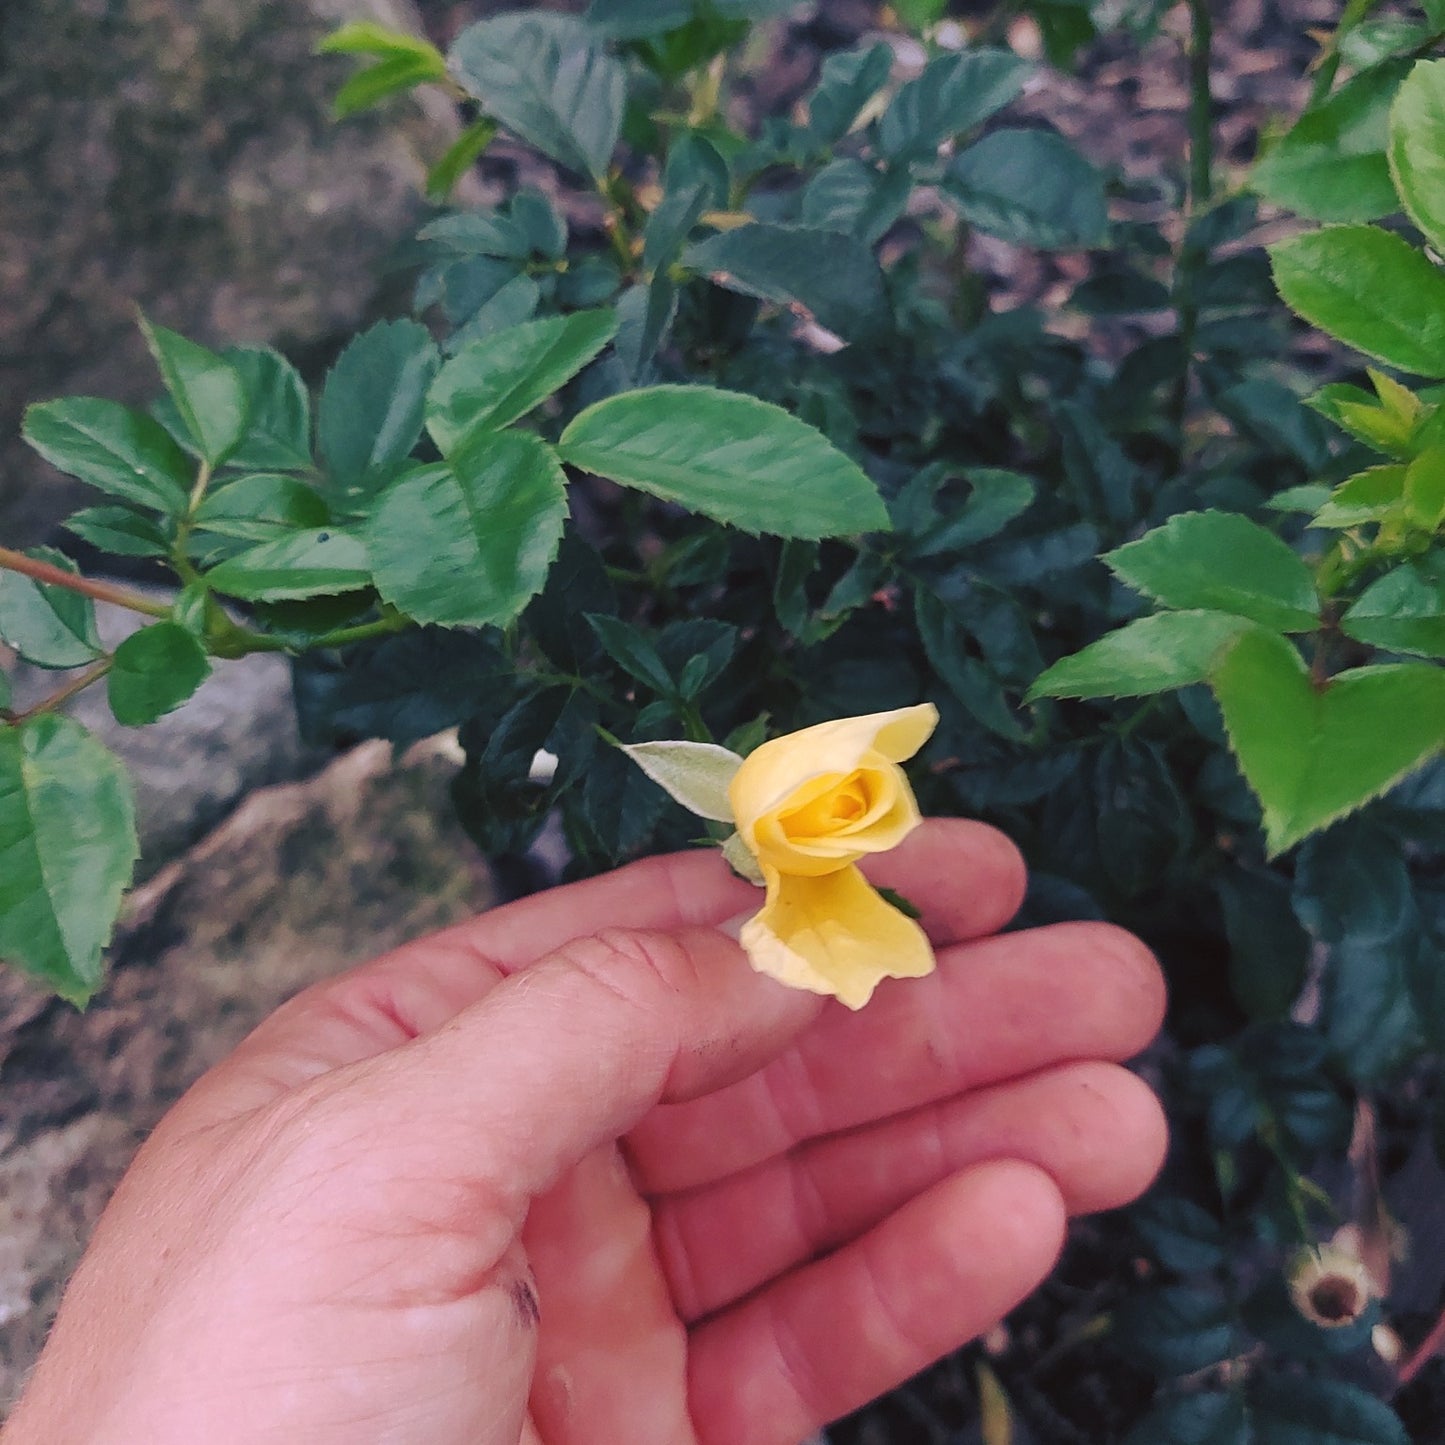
<point>833,935</point>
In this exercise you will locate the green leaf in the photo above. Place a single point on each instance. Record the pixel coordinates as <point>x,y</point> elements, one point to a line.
<point>549,80</point>
<point>1222,562</point>
<point>1176,1329</point>
<point>1181,1234</point>
<point>1368,496</point>
<point>1152,654</point>
<point>47,625</point>
<point>918,15</point>
<point>67,838</point>
<point>468,543</point>
<point>207,390</point>
<point>544,226</point>
<point>155,670</point>
<point>1404,611</point>
<point>502,377</point>
<point>633,19</point>
<point>478,233</point>
<point>511,305</point>
<point>1370,289</point>
<point>952,95</point>
<point>368,37</point>
<point>120,451</point>
<point>387,77</point>
<point>314,562</point>
<point>1030,187</point>
<point>278,413</point>
<point>1331,164</point>
<point>257,507</point>
<point>458,158</point>
<point>119,530</point>
<point>856,199</point>
<point>849,79</point>
<point>1314,1411</point>
<point>731,457</point>
<point>694,774</point>
<point>1269,951</point>
<point>1314,755</point>
<point>835,277</point>
<point>373,403</point>
<point>945,643</point>
<point>1417,148</point>
<point>634,652</point>
<point>1425,490</point>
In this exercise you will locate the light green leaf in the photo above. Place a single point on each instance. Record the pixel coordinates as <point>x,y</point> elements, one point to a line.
<point>731,457</point>
<point>1404,611</point>
<point>1331,164</point>
<point>47,625</point>
<point>1368,496</point>
<point>502,377</point>
<point>257,507</point>
<point>834,276</point>
<point>918,15</point>
<point>372,404</point>
<point>1152,654</point>
<point>386,78</point>
<point>314,562</point>
<point>1417,148</point>
<point>1370,289</point>
<point>207,390</point>
<point>1030,187</point>
<point>954,94</point>
<point>368,37</point>
<point>469,543</point>
<point>694,774</point>
<point>68,845</point>
<point>741,859</point>
<point>548,79</point>
<point>155,670</point>
<point>278,421</point>
<point>458,158</point>
<point>120,451</point>
<point>1312,755</point>
<point>1224,563</point>
<point>1425,489</point>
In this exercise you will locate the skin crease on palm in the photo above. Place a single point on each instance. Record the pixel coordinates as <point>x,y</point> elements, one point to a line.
<point>573,1174</point>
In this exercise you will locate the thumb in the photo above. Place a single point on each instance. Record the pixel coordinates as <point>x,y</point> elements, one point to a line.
<point>571,1052</point>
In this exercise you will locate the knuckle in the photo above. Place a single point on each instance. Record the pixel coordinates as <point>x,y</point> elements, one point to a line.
<point>643,966</point>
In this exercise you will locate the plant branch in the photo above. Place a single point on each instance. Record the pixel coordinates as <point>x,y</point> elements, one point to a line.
<point>54,576</point>
<point>63,695</point>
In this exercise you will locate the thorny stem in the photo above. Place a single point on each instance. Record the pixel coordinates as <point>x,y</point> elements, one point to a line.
<point>55,576</point>
<point>63,695</point>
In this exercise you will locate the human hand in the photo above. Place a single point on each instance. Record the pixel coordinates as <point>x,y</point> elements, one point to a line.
<point>537,1180</point>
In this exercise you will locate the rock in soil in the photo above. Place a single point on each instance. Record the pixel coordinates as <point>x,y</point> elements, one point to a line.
<point>302,881</point>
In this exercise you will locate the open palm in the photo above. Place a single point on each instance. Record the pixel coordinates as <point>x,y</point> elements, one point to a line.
<point>539,1180</point>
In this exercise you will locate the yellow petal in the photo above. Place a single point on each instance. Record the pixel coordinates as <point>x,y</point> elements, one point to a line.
<point>833,935</point>
<point>780,767</point>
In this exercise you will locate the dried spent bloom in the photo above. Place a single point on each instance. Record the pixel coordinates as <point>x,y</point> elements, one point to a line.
<point>807,807</point>
<point>1330,1286</point>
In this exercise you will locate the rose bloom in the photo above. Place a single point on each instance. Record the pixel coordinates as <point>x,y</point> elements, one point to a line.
<point>808,806</point>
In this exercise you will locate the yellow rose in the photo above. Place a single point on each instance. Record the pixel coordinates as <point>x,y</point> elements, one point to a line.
<point>808,806</point>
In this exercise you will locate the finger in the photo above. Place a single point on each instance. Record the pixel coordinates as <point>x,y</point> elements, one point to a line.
<point>417,988</point>
<point>1094,1128</point>
<point>559,1059</point>
<point>835,1334</point>
<point>996,1009</point>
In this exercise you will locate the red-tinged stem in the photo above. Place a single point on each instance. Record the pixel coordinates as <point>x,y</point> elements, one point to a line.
<point>101,591</point>
<point>79,683</point>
